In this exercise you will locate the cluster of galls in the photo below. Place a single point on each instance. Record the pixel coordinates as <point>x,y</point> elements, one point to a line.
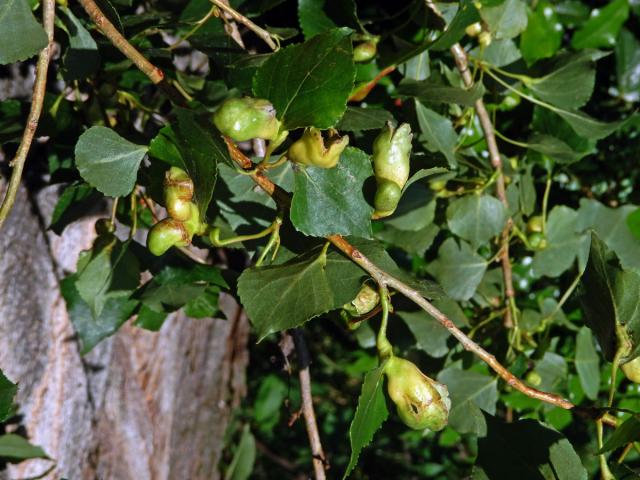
<point>247,118</point>
<point>184,216</point>
<point>420,401</point>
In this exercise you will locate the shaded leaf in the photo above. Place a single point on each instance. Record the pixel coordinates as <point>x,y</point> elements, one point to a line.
<point>8,392</point>
<point>587,363</point>
<point>370,415</point>
<point>202,150</point>
<point>107,161</point>
<point>626,433</point>
<point>74,203</point>
<point>16,448</point>
<point>21,36</point>
<point>543,35</point>
<point>470,392</point>
<point>554,148</point>
<point>313,19</point>
<point>536,452</point>
<point>627,66</point>
<point>506,20</point>
<point>438,133</point>
<point>81,58</point>
<point>571,82</point>
<point>330,201</point>
<point>244,457</point>
<point>430,92</point>
<point>309,83</point>
<point>458,269</point>
<point>476,218</point>
<point>564,244</point>
<point>357,119</point>
<point>602,28</point>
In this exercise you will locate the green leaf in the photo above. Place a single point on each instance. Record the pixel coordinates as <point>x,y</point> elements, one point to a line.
<point>8,392</point>
<point>611,226</point>
<point>627,65</point>
<point>476,218</point>
<point>330,201</point>
<point>284,296</point>
<point>570,83</point>
<point>73,203</point>
<point>416,242</point>
<point>438,133</point>
<point>202,150</point>
<point>107,161</point>
<point>417,68</point>
<point>554,148</point>
<point>244,457</point>
<point>633,222</point>
<point>431,337</point>
<point>543,36</point>
<point>313,19</point>
<point>564,244</point>
<point>603,27</point>
<point>587,363</point>
<point>430,92</point>
<point>499,53</point>
<point>174,287</point>
<point>16,448</point>
<point>465,16</point>
<point>624,434</point>
<point>269,402</point>
<point>21,36</point>
<point>309,83</point>
<point>589,127</point>
<point>92,329</point>
<point>357,119</point>
<point>470,392</point>
<point>111,270</point>
<point>149,319</point>
<point>609,300</point>
<point>506,20</point>
<point>536,452</point>
<point>370,415</point>
<point>458,269</point>
<point>81,59</point>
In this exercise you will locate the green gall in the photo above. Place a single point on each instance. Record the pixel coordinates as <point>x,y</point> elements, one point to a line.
<point>178,192</point>
<point>537,241</point>
<point>533,378</point>
<point>474,29</point>
<point>421,402</point>
<point>391,165</point>
<point>365,301</point>
<point>631,370</point>
<point>386,198</point>
<point>437,185</point>
<point>166,234</point>
<point>315,151</point>
<point>246,118</point>
<point>193,224</point>
<point>364,52</point>
<point>535,224</point>
<point>103,226</point>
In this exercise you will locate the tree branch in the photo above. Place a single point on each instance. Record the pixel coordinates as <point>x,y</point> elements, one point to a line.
<point>155,74</point>
<point>307,404</point>
<point>238,17</point>
<point>282,198</point>
<point>462,64</point>
<point>39,88</point>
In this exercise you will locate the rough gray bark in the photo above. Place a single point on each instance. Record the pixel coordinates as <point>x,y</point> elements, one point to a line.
<point>142,405</point>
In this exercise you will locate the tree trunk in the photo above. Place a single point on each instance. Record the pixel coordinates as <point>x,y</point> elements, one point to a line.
<point>142,405</point>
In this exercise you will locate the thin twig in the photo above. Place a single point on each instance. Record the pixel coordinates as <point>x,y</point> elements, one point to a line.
<point>307,404</point>
<point>238,17</point>
<point>155,74</point>
<point>283,200</point>
<point>39,88</point>
<point>462,63</point>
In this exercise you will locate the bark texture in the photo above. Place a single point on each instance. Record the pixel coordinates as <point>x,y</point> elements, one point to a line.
<point>142,405</point>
